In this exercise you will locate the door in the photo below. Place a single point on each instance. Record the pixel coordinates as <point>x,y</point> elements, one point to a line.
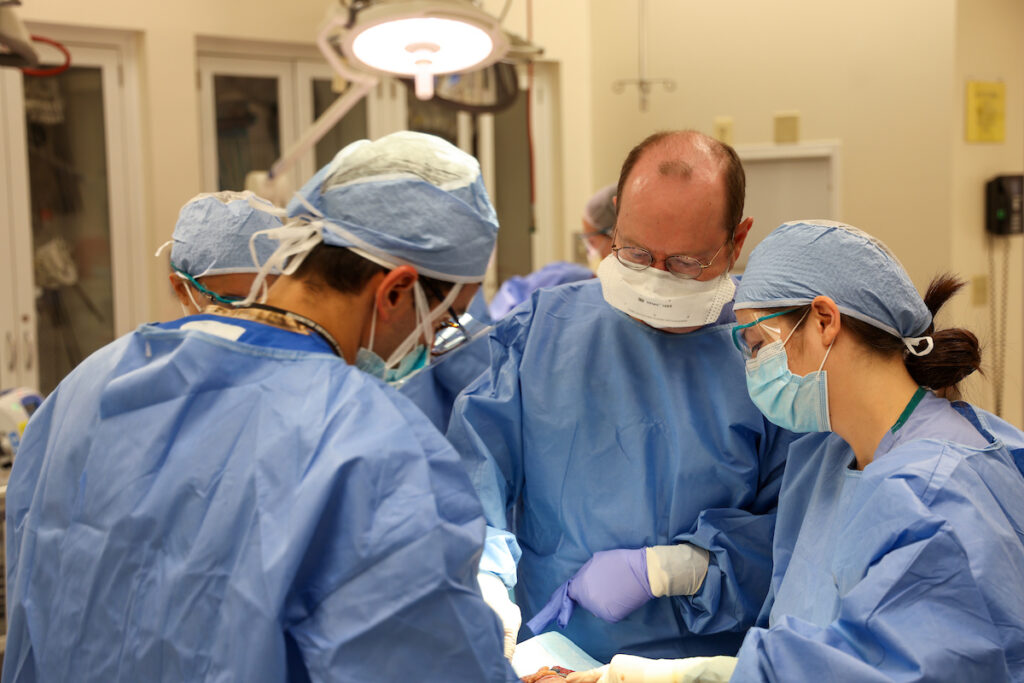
<point>70,206</point>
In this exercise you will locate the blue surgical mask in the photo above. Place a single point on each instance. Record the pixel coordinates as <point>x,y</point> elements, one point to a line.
<point>799,404</point>
<point>370,363</point>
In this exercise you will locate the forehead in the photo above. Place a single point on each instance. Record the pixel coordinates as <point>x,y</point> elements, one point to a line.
<point>673,204</point>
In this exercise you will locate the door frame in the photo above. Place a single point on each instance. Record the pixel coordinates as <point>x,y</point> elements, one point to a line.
<point>115,53</point>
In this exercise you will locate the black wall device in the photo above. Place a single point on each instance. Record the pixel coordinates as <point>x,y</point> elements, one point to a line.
<point>1004,205</point>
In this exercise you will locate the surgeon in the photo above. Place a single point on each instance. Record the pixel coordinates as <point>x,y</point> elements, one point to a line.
<point>628,481</point>
<point>899,550</point>
<point>238,496</point>
<point>211,261</point>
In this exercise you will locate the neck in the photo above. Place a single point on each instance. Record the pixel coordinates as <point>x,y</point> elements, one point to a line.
<point>344,316</point>
<point>866,398</point>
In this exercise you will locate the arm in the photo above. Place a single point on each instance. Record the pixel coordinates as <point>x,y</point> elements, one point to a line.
<point>486,430</point>
<point>387,590</point>
<point>739,544</point>
<point>917,615</point>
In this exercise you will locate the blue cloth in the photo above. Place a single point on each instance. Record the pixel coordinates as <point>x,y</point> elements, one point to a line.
<point>213,230</point>
<point>910,570</point>
<point>190,508</point>
<point>804,259</point>
<point>592,431</point>
<point>518,288</point>
<point>408,195</point>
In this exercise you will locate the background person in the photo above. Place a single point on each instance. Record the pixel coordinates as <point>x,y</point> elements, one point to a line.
<point>227,496</point>
<point>211,259</point>
<point>598,225</point>
<point>612,440</point>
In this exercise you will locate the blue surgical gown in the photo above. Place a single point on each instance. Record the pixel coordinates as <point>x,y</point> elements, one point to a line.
<point>518,288</point>
<point>910,570</point>
<point>592,431</point>
<point>188,507</point>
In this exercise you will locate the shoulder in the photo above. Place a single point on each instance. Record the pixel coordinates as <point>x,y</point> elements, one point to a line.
<point>577,301</point>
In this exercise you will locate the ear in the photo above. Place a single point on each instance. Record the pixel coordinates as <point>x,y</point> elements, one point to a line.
<point>826,319</point>
<point>739,236</point>
<point>179,287</point>
<point>394,289</point>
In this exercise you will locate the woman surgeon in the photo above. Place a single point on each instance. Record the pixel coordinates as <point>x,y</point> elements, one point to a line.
<point>899,545</point>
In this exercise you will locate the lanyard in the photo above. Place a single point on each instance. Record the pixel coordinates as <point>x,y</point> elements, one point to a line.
<point>305,322</point>
<point>905,415</point>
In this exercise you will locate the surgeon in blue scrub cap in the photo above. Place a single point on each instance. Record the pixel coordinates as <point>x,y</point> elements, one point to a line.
<point>211,262</point>
<point>628,481</point>
<point>237,495</point>
<point>899,548</point>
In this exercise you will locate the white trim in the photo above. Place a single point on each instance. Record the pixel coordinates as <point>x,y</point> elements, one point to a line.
<point>17,310</point>
<point>305,74</point>
<point>551,240</point>
<point>208,67</point>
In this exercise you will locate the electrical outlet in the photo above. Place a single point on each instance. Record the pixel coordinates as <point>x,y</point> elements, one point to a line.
<point>979,290</point>
<point>723,129</point>
<point>787,127</point>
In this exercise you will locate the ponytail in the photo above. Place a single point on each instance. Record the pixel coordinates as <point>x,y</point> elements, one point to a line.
<point>956,353</point>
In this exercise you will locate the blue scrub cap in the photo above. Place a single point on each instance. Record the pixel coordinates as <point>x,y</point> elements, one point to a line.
<point>213,232</point>
<point>600,209</point>
<point>804,259</point>
<point>407,198</point>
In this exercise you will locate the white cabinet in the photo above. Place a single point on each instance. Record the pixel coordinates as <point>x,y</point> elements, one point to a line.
<point>70,187</point>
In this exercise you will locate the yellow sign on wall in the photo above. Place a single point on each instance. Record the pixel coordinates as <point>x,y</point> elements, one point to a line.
<point>986,111</point>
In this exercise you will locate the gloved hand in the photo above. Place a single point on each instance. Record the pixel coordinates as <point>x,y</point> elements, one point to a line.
<point>496,596</point>
<point>631,669</point>
<point>611,585</point>
<point>614,583</point>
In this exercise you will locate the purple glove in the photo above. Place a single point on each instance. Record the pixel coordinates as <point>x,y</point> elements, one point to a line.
<point>611,585</point>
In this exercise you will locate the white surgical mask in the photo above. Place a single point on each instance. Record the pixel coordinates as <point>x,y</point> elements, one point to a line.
<point>661,299</point>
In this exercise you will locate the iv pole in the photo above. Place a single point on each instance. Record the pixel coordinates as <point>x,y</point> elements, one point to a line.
<point>642,83</point>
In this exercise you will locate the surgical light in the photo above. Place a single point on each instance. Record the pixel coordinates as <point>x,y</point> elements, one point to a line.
<point>423,38</point>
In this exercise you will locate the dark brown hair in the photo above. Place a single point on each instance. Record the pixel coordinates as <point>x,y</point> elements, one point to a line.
<point>347,272</point>
<point>956,353</point>
<point>734,178</point>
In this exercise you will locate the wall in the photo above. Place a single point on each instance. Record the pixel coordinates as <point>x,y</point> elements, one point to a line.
<point>880,87</point>
<point>988,47</point>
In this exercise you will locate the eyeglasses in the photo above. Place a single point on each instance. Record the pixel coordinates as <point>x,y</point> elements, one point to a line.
<point>750,337</point>
<point>686,267</point>
<point>450,333</point>
<point>206,291</point>
<point>450,336</point>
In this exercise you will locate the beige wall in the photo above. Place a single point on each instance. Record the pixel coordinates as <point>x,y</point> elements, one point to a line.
<point>989,46</point>
<point>880,87</point>
<point>885,78</point>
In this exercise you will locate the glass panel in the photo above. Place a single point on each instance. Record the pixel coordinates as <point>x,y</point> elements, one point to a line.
<point>248,127</point>
<point>67,152</point>
<point>431,117</point>
<point>352,126</point>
